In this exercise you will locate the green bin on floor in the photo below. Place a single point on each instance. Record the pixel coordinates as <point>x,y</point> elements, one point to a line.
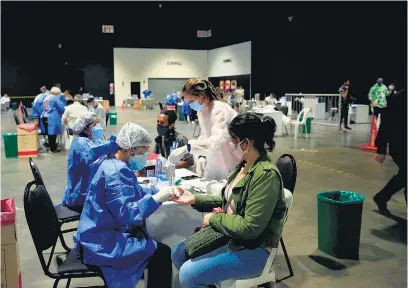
<point>339,223</point>
<point>308,127</point>
<point>13,106</point>
<point>10,145</point>
<point>113,118</point>
<point>181,116</point>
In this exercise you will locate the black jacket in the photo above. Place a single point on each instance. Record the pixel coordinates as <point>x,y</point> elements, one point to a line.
<point>393,126</point>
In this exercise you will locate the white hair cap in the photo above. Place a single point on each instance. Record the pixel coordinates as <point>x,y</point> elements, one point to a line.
<point>55,90</point>
<point>83,121</point>
<point>133,135</point>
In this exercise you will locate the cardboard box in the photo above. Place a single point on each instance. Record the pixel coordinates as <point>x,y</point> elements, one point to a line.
<point>137,105</point>
<point>106,105</point>
<point>10,260</point>
<point>27,140</point>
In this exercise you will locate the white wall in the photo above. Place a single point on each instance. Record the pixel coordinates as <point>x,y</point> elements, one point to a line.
<point>137,65</point>
<point>240,55</point>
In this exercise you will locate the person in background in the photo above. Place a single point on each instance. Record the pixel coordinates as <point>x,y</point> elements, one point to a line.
<point>67,95</point>
<point>346,99</point>
<point>94,106</point>
<point>61,96</point>
<point>73,111</point>
<point>111,231</point>
<point>53,108</point>
<point>172,100</point>
<point>186,110</point>
<point>378,96</point>
<point>38,103</point>
<point>170,139</point>
<point>86,147</point>
<point>251,211</point>
<point>392,132</point>
<point>214,115</point>
<point>5,98</point>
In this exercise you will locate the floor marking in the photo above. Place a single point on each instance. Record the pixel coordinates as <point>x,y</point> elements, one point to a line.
<point>324,167</point>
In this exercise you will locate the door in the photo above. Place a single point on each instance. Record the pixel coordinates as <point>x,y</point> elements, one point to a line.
<point>161,87</point>
<point>135,88</point>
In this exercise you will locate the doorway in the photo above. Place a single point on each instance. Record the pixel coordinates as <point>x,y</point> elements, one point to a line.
<point>135,88</point>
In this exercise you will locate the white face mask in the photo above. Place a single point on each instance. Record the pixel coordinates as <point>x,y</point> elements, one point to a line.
<point>391,87</point>
<point>237,150</point>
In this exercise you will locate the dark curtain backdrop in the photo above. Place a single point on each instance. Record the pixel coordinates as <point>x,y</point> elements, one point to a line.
<point>326,43</point>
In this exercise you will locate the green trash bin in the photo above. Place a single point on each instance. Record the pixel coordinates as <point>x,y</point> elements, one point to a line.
<point>10,145</point>
<point>181,116</point>
<point>14,106</point>
<point>113,117</point>
<point>339,223</point>
<point>308,126</point>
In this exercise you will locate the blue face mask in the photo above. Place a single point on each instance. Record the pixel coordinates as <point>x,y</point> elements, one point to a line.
<point>97,132</point>
<point>196,106</point>
<point>379,82</point>
<point>138,162</point>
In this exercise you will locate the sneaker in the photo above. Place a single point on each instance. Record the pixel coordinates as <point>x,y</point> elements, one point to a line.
<point>382,207</point>
<point>347,127</point>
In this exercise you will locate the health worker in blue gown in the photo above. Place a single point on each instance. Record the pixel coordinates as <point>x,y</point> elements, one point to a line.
<point>111,233</point>
<point>38,103</point>
<point>86,147</point>
<point>51,116</point>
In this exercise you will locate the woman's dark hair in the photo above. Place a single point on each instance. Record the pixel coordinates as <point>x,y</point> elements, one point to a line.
<point>249,126</point>
<point>197,87</point>
<point>83,132</point>
<point>171,114</point>
<point>69,102</point>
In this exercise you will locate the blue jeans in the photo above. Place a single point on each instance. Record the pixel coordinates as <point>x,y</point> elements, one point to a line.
<point>217,266</point>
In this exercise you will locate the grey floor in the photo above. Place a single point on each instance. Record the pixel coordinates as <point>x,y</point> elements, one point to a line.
<point>327,160</point>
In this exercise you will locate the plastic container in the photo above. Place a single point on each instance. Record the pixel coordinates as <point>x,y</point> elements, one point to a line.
<point>10,145</point>
<point>14,106</point>
<point>113,118</point>
<point>339,223</point>
<point>159,166</point>
<point>307,127</point>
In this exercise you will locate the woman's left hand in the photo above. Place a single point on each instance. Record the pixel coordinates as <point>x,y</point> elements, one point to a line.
<point>206,219</point>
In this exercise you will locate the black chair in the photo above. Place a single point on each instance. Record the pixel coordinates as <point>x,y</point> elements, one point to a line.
<point>64,214</point>
<point>45,228</point>
<point>288,169</point>
<point>284,110</point>
<point>17,118</point>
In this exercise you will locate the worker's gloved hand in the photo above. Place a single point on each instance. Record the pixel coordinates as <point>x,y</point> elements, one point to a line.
<point>112,138</point>
<point>165,193</point>
<point>176,156</point>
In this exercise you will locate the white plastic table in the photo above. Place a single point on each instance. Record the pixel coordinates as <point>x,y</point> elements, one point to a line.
<point>359,113</point>
<point>276,115</point>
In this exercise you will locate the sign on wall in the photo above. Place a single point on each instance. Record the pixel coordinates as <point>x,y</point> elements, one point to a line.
<point>176,63</point>
<point>203,34</point>
<point>107,29</point>
<point>229,60</point>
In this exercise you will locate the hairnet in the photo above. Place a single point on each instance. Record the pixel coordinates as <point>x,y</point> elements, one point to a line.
<point>133,135</point>
<point>55,90</point>
<point>83,121</point>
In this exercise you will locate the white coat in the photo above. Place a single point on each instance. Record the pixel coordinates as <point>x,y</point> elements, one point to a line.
<point>213,142</point>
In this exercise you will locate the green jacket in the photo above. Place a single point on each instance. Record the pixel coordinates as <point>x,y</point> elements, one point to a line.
<point>259,204</point>
<point>378,94</point>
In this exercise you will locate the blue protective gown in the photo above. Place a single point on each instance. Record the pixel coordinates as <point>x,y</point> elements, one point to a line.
<point>172,100</point>
<point>82,154</point>
<point>38,105</point>
<point>186,109</point>
<point>62,98</point>
<point>114,204</point>
<point>55,110</point>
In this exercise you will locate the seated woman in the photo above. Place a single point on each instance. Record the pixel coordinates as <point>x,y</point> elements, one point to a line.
<point>85,149</point>
<point>111,231</point>
<point>252,213</point>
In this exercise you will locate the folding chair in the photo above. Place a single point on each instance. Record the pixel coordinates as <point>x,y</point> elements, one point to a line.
<point>64,214</point>
<point>45,228</point>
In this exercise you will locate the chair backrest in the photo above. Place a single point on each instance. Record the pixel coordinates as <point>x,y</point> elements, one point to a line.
<point>288,169</point>
<point>17,119</point>
<point>284,110</point>
<point>42,221</point>
<point>36,172</point>
<point>303,113</point>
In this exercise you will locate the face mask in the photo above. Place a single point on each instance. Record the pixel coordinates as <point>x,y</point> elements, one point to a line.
<point>67,98</point>
<point>237,150</point>
<point>391,87</point>
<point>97,132</point>
<point>162,130</point>
<point>379,82</point>
<point>196,106</point>
<point>138,162</point>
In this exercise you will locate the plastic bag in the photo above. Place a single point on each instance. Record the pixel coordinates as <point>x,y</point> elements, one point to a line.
<point>8,212</point>
<point>341,197</point>
<point>28,127</point>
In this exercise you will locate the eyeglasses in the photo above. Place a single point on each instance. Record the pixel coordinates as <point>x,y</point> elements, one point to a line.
<point>134,151</point>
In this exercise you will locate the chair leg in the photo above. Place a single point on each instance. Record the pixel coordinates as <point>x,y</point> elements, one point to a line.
<point>56,283</point>
<point>287,258</point>
<point>68,283</point>
<point>63,244</point>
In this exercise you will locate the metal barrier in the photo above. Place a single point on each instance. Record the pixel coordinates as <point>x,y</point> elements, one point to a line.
<point>325,108</point>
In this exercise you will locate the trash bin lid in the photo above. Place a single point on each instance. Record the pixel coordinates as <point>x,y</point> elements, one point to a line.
<point>341,197</point>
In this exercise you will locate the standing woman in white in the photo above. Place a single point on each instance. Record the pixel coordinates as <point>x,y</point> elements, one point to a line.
<point>214,115</point>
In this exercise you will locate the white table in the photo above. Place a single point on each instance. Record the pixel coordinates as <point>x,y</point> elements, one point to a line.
<point>173,222</point>
<point>276,115</point>
<point>359,113</point>
<point>147,103</point>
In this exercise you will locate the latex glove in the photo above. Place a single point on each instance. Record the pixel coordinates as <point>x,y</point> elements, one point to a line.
<point>165,194</point>
<point>176,156</point>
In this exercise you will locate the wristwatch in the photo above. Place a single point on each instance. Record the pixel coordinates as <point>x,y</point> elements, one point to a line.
<point>188,148</point>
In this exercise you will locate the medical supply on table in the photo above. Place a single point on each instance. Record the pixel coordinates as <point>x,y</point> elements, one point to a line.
<point>159,166</point>
<point>190,177</point>
<point>171,173</point>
